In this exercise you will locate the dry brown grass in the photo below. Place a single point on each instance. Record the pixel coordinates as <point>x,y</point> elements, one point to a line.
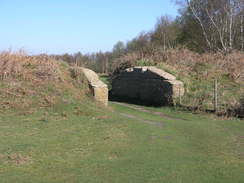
<point>19,64</point>
<point>185,60</point>
<point>35,81</point>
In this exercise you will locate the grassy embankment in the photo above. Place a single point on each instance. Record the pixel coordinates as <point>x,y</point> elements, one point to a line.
<point>52,134</point>
<point>199,72</point>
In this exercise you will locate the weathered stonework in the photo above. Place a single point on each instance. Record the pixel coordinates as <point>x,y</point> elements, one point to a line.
<point>148,85</point>
<point>98,88</point>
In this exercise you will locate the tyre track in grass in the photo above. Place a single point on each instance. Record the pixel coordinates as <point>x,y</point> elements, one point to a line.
<point>150,122</point>
<point>141,109</point>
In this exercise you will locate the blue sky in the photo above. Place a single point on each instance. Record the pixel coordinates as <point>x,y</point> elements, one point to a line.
<point>60,26</point>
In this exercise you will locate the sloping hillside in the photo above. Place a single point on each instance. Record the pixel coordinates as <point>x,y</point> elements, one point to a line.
<point>52,131</point>
<point>33,82</point>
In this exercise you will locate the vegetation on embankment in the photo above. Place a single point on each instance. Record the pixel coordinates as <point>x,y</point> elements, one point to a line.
<point>199,72</point>
<point>34,82</point>
<point>50,131</point>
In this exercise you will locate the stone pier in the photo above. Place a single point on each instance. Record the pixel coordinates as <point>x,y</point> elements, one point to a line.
<point>97,87</point>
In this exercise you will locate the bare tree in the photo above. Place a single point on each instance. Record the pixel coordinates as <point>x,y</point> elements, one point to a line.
<point>219,21</point>
<point>165,33</point>
<point>240,5</point>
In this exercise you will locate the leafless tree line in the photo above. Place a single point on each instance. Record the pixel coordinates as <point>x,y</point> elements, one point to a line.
<point>221,22</point>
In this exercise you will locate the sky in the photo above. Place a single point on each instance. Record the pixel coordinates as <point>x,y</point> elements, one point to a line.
<point>69,26</point>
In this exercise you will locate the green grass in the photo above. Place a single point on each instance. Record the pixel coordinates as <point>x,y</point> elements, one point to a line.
<point>84,143</point>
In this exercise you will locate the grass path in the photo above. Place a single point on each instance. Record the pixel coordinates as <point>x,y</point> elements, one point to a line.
<point>155,123</point>
<point>142,109</point>
<point>126,143</point>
